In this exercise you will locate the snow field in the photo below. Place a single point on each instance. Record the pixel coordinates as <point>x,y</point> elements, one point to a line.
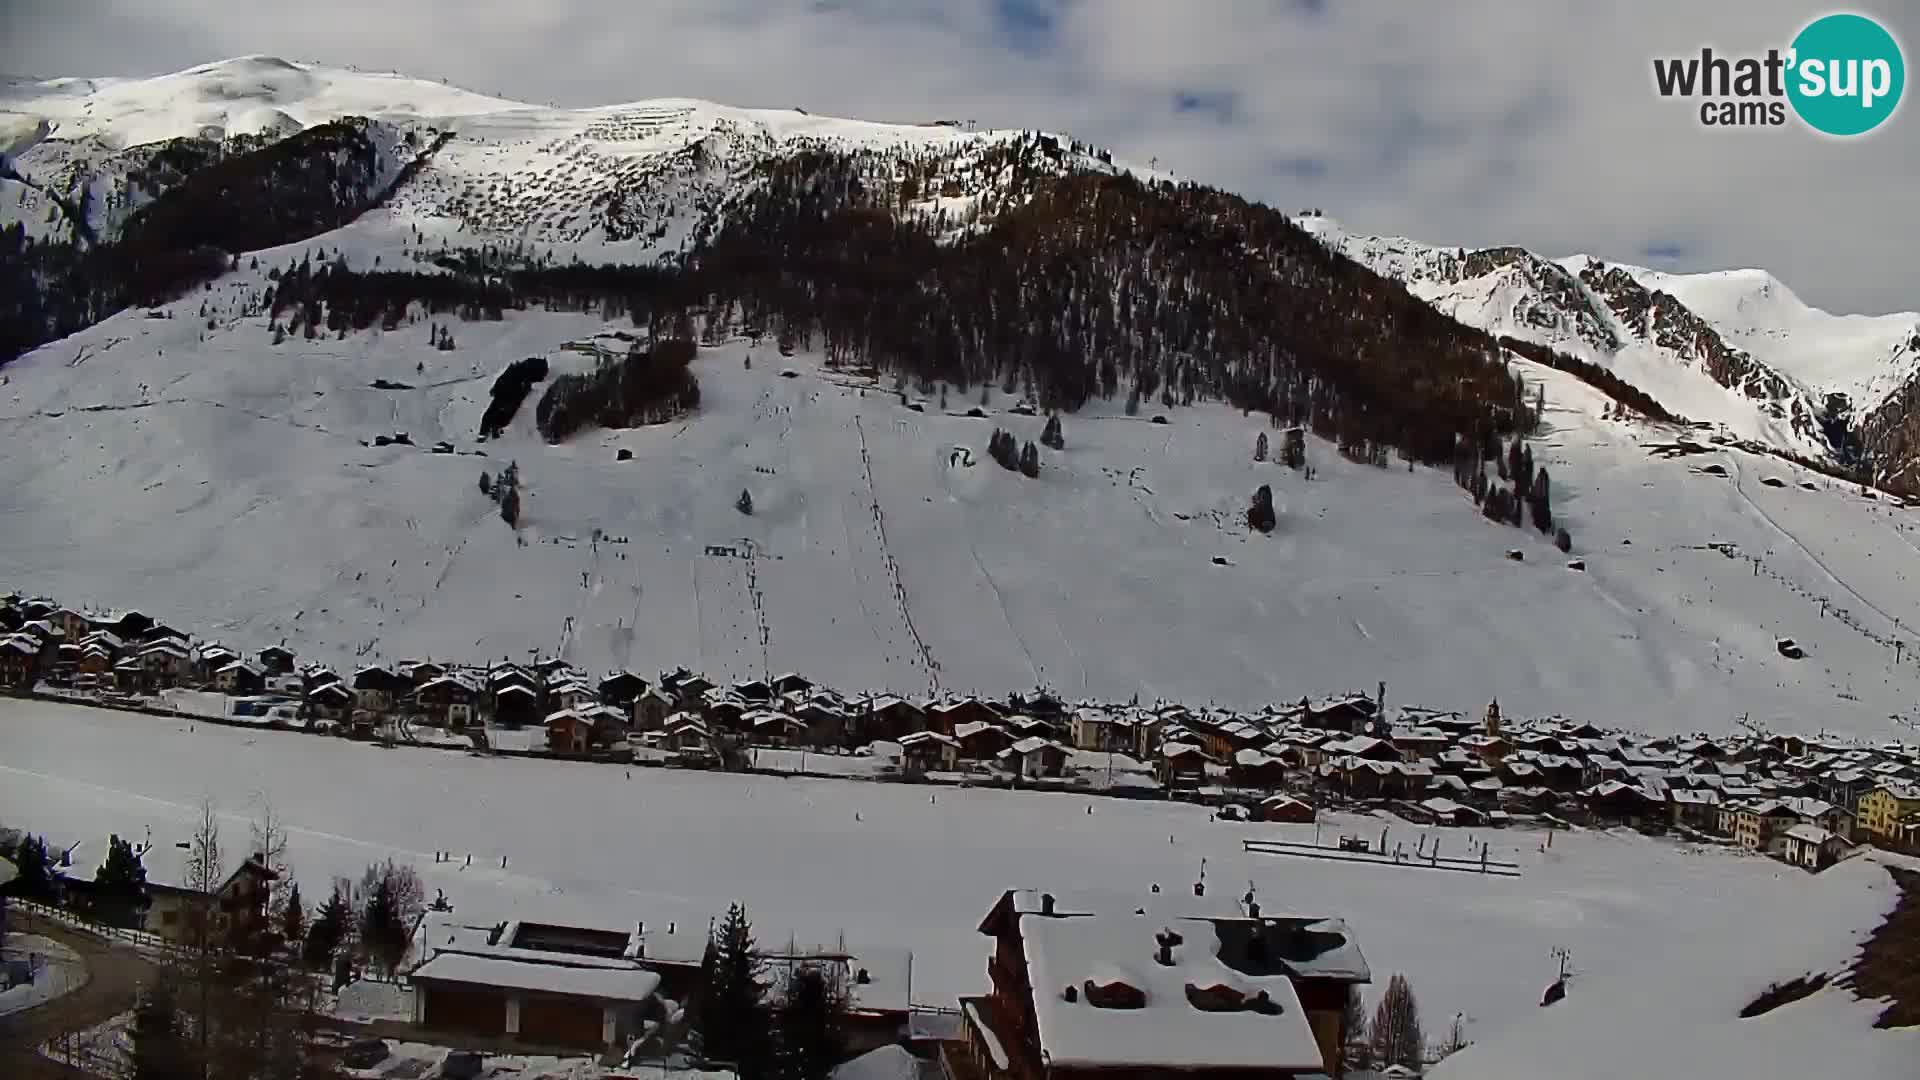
<point>1697,932</point>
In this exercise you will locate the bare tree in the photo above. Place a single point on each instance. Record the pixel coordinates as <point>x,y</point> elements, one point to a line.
<point>1456,1039</point>
<point>205,874</point>
<point>204,878</point>
<point>268,834</point>
<point>1397,1038</point>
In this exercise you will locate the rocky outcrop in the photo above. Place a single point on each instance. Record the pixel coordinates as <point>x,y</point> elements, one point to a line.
<point>1889,436</point>
<point>1664,321</point>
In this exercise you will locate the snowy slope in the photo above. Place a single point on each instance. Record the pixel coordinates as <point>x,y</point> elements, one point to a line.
<point>206,474</point>
<point>1760,365</point>
<point>226,483</point>
<point>1668,941</point>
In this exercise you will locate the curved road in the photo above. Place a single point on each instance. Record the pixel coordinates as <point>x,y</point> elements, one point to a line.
<point>114,975</point>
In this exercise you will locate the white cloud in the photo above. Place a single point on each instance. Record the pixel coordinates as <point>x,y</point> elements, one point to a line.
<point>1456,123</point>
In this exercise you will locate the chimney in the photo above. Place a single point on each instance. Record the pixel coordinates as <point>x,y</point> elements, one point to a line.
<point>1046,903</point>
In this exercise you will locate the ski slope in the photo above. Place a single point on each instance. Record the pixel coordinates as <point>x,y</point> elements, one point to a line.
<point>229,485</point>
<point>1667,941</point>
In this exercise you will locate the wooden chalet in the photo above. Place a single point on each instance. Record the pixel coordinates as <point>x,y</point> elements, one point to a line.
<point>449,701</point>
<point>330,701</point>
<point>889,717</point>
<point>980,740</point>
<point>1181,765</point>
<point>1256,769</point>
<point>946,717</point>
<point>19,661</point>
<point>929,751</point>
<point>1158,987</point>
<point>239,677</point>
<point>650,709</point>
<point>621,689</point>
<point>515,704</point>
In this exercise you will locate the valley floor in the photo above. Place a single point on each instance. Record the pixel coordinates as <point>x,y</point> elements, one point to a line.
<point>1666,939</point>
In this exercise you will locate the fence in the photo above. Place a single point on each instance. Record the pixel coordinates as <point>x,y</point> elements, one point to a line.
<point>142,939</point>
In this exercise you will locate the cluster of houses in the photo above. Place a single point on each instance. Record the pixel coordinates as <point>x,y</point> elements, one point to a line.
<point>1805,800</point>
<point>1078,983</point>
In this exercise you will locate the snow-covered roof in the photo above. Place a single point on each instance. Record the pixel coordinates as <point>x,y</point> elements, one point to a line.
<point>1809,834</point>
<point>632,984</point>
<point>1032,744</point>
<point>918,737</point>
<point>1168,1030</point>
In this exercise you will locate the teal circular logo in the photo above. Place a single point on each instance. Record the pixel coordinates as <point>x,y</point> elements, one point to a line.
<point>1846,75</point>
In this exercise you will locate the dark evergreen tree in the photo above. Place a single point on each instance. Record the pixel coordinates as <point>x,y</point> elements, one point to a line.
<point>1260,448</point>
<point>736,1024</point>
<point>383,934</point>
<point>120,886</point>
<point>486,484</point>
<point>1260,514</point>
<point>812,1025</point>
<point>1495,504</point>
<point>1540,503</point>
<point>1030,460</point>
<point>1052,436</point>
<point>328,930</point>
<point>1563,540</point>
<point>157,1047</point>
<point>510,507</point>
<point>293,918</point>
<point>744,503</point>
<point>34,880</point>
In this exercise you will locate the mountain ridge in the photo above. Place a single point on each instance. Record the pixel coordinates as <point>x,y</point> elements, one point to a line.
<point>1783,374</point>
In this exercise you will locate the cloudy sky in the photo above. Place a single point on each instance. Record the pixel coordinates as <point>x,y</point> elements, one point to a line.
<point>1456,123</point>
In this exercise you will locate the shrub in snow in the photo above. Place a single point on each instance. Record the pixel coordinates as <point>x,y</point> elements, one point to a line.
<point>1030,460</point>
<point>744,503</point>
<point>1260,515</point>
<point>1052,436</point>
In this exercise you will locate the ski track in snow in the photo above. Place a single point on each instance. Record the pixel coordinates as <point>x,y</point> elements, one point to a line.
<point>1808,552</point>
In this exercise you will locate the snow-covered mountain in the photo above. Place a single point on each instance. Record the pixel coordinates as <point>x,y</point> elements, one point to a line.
<point>1734,349</point>
<point>615,183</point>
<point>183,458</point>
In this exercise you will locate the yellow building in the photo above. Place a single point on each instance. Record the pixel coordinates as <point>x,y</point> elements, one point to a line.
<point>1885,807</point>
